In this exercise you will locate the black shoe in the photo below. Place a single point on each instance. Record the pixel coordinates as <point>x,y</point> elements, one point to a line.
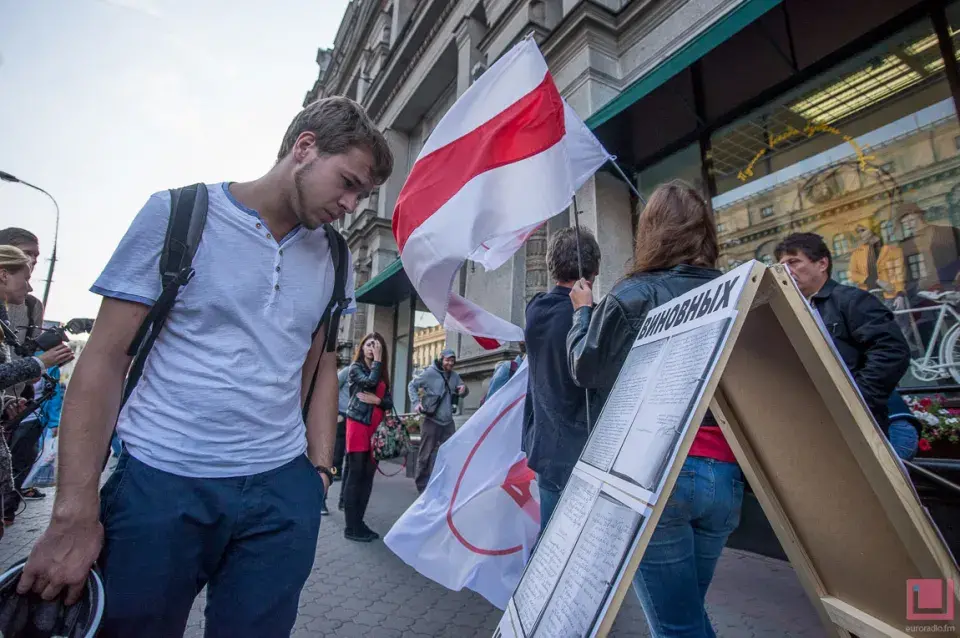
<point>360,537</point>
<point>32,494</point>
<point>323,508</point>
<point>340,506</point>
<point>367,530</point>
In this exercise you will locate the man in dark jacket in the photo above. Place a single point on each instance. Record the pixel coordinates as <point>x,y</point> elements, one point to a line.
<point>555,410</point>
<point>863,330</point>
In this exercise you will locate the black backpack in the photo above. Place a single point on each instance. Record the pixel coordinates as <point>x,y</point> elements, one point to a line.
<point>188,215</point>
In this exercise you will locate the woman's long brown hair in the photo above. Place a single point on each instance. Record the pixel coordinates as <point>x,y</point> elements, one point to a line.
<point>384,357</point>
<point>676,227</point>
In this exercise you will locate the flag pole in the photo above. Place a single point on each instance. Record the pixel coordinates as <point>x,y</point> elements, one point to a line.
<point>576,224</point>
<point>629,182</point>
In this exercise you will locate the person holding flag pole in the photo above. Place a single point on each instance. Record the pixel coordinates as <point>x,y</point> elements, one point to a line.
<point>508,155</point>
<point>556,411</point>
<point>676,251</point>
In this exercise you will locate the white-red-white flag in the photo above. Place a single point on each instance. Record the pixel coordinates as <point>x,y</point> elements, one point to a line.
<point>477,521</point>
<point>505,158</point>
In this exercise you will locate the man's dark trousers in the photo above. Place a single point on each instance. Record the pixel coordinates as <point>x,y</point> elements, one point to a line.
<point>432,436</point>
<point>23,454</point>
<point>250,540</point>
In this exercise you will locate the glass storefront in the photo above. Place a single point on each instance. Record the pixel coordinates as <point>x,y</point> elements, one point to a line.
<point>866,155</point>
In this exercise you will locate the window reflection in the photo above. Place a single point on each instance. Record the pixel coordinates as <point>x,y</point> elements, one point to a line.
<point>868,156</point>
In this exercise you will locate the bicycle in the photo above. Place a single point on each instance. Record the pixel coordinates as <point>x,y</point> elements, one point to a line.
<point>929,368</point>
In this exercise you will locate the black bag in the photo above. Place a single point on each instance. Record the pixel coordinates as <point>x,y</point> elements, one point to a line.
<point>436,406</point>
<point>188,216</point>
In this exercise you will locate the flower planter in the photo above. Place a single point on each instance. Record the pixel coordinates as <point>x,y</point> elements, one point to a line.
<point>941,450</point>
<point>939,423</point>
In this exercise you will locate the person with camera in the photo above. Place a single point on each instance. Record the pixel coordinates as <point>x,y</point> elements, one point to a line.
<point>14,287</point>
<point>26,319</point>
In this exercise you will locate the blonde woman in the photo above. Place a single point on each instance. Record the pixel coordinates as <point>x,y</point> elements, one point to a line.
<point>14,286</point>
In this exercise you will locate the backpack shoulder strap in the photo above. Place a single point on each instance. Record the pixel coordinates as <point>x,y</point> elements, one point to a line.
<point>339,301</point>
<point>188,216</point>
<point>330,319</point>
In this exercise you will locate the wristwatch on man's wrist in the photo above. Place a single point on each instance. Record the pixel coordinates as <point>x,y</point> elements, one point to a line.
<point>328,471</point>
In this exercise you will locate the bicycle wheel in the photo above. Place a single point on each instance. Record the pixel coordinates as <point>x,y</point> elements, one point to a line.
<point>950,352</point>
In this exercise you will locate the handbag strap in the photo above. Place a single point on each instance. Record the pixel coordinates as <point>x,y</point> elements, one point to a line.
<point>402,468</point>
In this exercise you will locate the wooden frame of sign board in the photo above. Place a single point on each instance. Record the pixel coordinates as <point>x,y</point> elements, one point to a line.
<point>837,497</point>
<point>835,494</point>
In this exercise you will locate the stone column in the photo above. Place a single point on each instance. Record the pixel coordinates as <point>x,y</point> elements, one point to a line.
<point>401,353</point>
<point>535,252</point>
<point>468,35</point>
<point>401,13</point>
<point>388,191</point>
<point>604,202</point>
<point>361,275</point>
<point>363,80</point>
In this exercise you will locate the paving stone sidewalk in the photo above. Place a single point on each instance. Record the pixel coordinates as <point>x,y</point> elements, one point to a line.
<point>364,590</point>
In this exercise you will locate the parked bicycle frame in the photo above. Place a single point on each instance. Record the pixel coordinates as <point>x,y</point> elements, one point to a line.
<point>946,363</point>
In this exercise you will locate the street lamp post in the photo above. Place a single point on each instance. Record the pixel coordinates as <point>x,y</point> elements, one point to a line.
<point>7,177</point>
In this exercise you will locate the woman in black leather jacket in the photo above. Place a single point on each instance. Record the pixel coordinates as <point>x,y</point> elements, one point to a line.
<point>369,383</point>
<point>676,250</point>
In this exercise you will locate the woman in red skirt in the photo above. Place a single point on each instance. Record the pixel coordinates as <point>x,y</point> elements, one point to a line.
<point>369,384</point>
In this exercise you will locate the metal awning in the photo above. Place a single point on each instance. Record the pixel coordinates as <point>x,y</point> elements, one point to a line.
<point>718,32</point>
<point>388,288</point>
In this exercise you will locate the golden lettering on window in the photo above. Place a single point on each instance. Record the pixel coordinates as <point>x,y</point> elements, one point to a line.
<point>808,131</point>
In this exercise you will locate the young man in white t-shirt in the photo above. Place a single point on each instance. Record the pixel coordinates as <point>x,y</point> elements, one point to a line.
<point>220,483</point>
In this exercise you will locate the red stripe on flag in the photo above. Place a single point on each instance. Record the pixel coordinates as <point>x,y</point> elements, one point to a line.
<point>486,343</point>
<point>527,127</point>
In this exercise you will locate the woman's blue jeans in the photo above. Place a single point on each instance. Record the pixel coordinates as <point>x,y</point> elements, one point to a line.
<point>678,565</point>
<point>904,438</point>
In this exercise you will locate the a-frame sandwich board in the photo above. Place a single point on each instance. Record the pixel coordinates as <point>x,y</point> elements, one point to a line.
<point>747,346</point>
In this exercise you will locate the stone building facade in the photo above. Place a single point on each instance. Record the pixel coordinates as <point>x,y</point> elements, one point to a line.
<point>406,62</point>
<point>673,88</point>
<point>428,343</point>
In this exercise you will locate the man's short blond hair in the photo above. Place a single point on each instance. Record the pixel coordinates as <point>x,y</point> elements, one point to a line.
<point>340,124</point>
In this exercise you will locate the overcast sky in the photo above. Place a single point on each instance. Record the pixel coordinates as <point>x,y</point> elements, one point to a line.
<point>103,102</point>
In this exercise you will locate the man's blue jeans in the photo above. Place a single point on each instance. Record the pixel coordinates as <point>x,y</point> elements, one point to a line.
<point>679,562</point>
<point>548,502</point>
<point>904,439</point>
<point>250,540</point>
